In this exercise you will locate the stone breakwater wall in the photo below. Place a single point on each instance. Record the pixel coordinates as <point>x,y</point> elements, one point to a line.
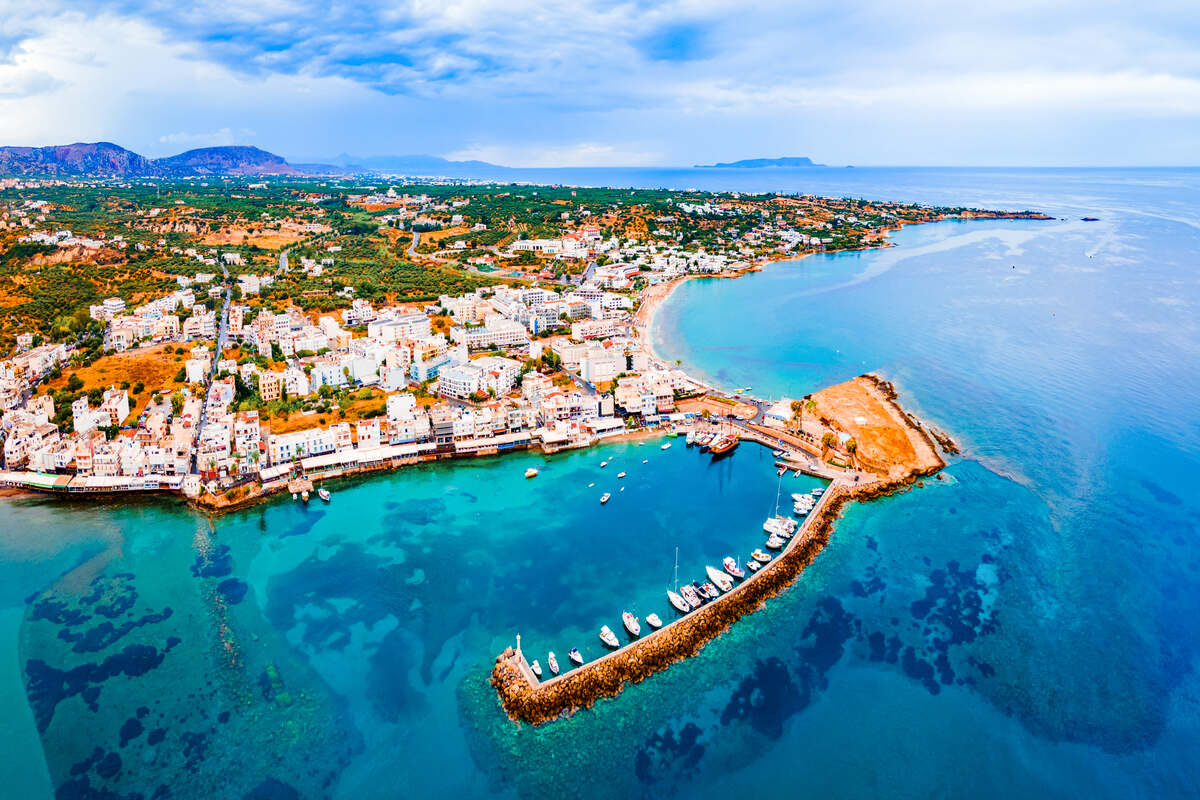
<point>639,660</point>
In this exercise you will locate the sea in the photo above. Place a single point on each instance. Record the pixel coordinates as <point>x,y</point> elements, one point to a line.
<point>1026,626</point>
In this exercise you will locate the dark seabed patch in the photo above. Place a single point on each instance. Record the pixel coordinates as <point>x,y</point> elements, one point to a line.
<point>666,758</point>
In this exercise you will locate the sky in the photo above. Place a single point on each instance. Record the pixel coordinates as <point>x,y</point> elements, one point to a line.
<point>609,83</point>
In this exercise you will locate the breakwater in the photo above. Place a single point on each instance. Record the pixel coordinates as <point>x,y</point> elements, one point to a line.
<point>525,699</point>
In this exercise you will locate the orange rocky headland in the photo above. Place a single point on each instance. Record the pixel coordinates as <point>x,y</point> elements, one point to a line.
<point>899,452</point>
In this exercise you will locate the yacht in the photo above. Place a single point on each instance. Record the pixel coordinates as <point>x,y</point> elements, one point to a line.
<point>631,624</point>
<point>701,592</point>
<point>731,566</point>
<point>712,591</point>
<point>536,667</point>
<point>759,555</point>
<point>575,656</point>
<point>323,493</point>
<point>552,661</point>
<point>604,498</point>
<point>719,578</point>
<point>753,566</point>
<point>608,637</point>
<point>620,474</point>
<point>681,605</point>
<point>691,596</point>
<point>531,473</point>
<point>653,621</point>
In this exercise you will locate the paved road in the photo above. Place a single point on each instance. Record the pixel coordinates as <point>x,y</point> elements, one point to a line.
<point>412,248</point>
<point>222,330</point>
<point>283,262</point>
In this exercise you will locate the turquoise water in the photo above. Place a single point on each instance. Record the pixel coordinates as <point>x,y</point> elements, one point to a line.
<point>1025,627</point>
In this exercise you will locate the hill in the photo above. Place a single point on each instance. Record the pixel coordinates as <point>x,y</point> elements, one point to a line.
<point>758,163</point>
<point>105,159</point>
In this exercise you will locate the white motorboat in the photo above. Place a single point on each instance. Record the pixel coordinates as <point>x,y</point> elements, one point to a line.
<point>531,473</point>
<point>731,566</point>
<point>536,667</point>
<point>759,555</point>
<point>798,497</point>
<point>631,624</point>
<point>691,595</point>
<point>653,621</point>
<point>680,604</point>
<point>604,498</point>
<point>603,464</point>
<point>575,655</point>
<point>719,578</point>
<point>293,495</point>
<point>608,637</point>
<point>753,566</point>
<point>775,543</point>
<point>690,439</point>
<point>817,492</point>
<point>590,485</point>
<point>552,661</point>
<point>711,591</point>
<point>645,461</point>
<point>620,474</point>
<point>666,446</point>
<point>323,493</point>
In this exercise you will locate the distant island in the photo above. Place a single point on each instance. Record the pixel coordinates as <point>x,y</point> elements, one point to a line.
<point>757,163</point>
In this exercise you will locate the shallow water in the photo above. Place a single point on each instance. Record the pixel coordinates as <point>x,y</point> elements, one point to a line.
<point>1025,626</point>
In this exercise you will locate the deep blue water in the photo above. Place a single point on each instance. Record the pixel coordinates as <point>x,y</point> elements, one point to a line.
<point>1025,627</point>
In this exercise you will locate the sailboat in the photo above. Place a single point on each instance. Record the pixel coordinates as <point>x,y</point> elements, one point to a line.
<point>681,605</point>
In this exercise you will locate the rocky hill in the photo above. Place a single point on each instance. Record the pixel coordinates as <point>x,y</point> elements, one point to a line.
<point>104,159</point>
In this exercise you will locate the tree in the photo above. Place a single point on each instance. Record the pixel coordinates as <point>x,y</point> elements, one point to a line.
<point>181,376</point>
<point>177,403</point>
<point>797,413</point>
<point>828,439</point>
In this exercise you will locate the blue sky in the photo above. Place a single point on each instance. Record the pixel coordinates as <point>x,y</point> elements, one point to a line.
<point>613,83</point>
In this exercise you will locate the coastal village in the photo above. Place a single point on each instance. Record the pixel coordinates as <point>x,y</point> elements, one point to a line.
<point>224,390</point>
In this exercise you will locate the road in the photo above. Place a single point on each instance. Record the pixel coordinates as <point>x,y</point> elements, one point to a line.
<point>222,329</point>
<point>283,263</point>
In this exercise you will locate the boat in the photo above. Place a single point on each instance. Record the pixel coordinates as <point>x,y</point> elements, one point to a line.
<point>775,543</point>
<point>304,495</point>
<point>631,624</point>
<point>645,461</point>
<point>690,439</point>
<point>604,498</point>
<point>574,655</point>
<point>536,667</point>
<point>552,661</point>
<point>712,591</point>
<point>817,492</point>
<point>603,464</point>
<point>691,596</point>
<point>701,592</point>
<point>780,471</point>
<point>672,433</point>
<point>797,474</point>
<point>777,453</point>
<point>323,493</point>
<point>731,566</point>
<point>293,495</point>
<point>759,555</point>
<point>531,473</point>
<point>723,445</point>
<point>681,605</point>
<point>620,474</point>
<point>798,497</point>
<point>719,578</point>
<point>622,489</point>
<point>608,637</point>
<point>653,621</point>
<point>666,446</point>
<point>753,566</point>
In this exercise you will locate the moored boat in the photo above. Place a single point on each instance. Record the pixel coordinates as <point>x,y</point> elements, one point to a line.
<point>701,591</point>
<point>690,439</point>
<point>653,621</point>
<point>780,471</point>
<point>712,591</point>
<point>731,566</point>
<point>575,656</point>
<point>775,543</point>
<point>719,578</point>
<point>759,555</point>
<point>304,495</point>
<point>536,667</point>
<point>753,566</point>
<point>723,445</point>
<point>666,446</point>
<point>681,605</point>
<point>323,493</point>
<point>531,473</point>
<point>552,661</point>
<point>631,624</point>
<point>691,596</point>
<point>608,637</point>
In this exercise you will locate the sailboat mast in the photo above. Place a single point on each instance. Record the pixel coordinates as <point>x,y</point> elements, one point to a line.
<point>677,568</point>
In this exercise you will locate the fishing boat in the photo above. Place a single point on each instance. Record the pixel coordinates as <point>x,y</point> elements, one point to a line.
<point>575,655</point>
<point>552,661</point>
<point>759,555</point>
<point>775,543</point>
<point>731,566</point>
<point>691,596</point>
<point>604,498</point>
<point>631,624</point>
<point>666,446</point>
<point>608,637</point>
<point>653,621</point>
<point>681,605</point>
<point>753,566</point>
<point>323,493</point>
<point>531,473</point>
<point>719,578</point>
<point>620,474</point>
<point>536,667</point>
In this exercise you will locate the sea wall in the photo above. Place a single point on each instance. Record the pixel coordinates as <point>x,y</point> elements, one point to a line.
<point>639,660</point>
